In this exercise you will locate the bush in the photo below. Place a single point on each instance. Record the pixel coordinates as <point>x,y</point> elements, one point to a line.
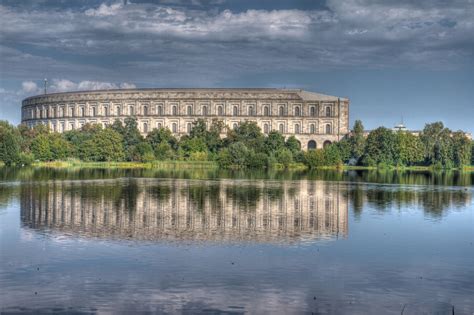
<point>257,160</point>
<point>284,156</point>
<point>315,158</point>
<point>198,156</point>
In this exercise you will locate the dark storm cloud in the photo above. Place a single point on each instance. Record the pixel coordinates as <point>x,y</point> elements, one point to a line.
<point>177,42</point>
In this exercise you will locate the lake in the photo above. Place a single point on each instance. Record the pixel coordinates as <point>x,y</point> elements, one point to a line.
<point>198,241</point>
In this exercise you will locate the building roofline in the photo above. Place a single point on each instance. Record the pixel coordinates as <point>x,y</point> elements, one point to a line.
<point>300,92</point>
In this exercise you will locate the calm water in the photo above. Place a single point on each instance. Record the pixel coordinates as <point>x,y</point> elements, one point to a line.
<point>125,241</point>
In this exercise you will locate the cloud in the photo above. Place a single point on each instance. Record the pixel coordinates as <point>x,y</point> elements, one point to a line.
<point>29,87</point>
<point>64,85</point>
<point>104,10</point>
<point>10,99</point>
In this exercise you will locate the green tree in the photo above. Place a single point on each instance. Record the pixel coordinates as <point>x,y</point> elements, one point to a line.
<point>162,135</point>
<point>235,156</point>
<point>332,155</point>
<point>40,147</point>
<point>315,158</point>
<point>249,134</point>
<point>191,145</point>
<point>379,147</point>
<point>258,160</point>
<point>437,144</point>
<point>60,147</point>
<point>472,152</point>
<point>293,145</point>
<point>408,149</point>
<point>163,151</point>
<point>274,142</point>
<point>141,152</point>
<point>107,146</point>
<point>357,140</point>
<point>9,143</point>
<point>284,156</point>
<point>462,149</point>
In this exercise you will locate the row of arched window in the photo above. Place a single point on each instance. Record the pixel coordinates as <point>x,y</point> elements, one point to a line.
<point>266,128</point>
<point>64,111</point>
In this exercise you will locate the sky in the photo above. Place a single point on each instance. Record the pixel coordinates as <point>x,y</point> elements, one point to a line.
<point>394,59</point>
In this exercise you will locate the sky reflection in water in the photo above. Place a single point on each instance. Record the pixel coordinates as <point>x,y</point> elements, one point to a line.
<point>123,242</point>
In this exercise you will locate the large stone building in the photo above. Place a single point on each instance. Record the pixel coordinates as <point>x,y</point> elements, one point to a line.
<point>314,119</point>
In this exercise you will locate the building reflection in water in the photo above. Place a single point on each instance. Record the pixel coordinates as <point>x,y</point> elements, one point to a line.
<point>188,210</point>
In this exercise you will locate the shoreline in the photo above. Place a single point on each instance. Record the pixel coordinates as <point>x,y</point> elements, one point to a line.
<point>213,165</point>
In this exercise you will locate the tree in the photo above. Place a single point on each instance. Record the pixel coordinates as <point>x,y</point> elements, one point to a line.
<point>379,148</point>
<point>462,149</point>
<point>357,140</point>
<point>332,155</point>
<point>284,156</point>
<point>274,142</point>
<point>408,149</point>
<point>249,134</point>
<point>161,135</point>
<point>141,152</point>
<point>437,144</point>
<point>107,146</point>
<point>163,151</point>
<point>293,145</point>
<point>9,144</point>
<point>41,149</point>
<point>315,158</point>
<point>192,145</point>
<point>60,148</point>
<point>472,152</point>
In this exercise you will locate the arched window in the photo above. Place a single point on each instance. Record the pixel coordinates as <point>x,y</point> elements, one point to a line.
<point>312,111</point>
<point>281,111</point>
<point>297,111</point>
<point>266,128</point>
<point>326,143</point>
<point>158,125</point>
<point>266,111</point>
<point>234,126</point>
<point>71,111</point>
<point>174,127</point>
<point>145,127</point>
<point>328,129</point>
<point>311,145</point>
<point>312,128</point>
<point>204,110</point>
<point>281,128</point>
<point>55,112</point>
<point>131,110</point>
<point>145,110</point>
<point>160,110</point>
<point>81,111</point>
<point>297,128</point>
<point>220,111</point>
<point>106,111</point>
<point>93,111</point>
<point>175,110</point>
<point>189,127</point>
<point>236,111</point>
<point>251,113</point>
<point>117,111</point>
<point>190,110</point>
<point>328,111</point>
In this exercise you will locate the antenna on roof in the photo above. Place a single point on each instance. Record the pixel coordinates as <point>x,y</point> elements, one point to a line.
<point>45,85</point>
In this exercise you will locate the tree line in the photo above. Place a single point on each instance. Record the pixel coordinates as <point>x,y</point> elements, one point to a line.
<point>243,147</point>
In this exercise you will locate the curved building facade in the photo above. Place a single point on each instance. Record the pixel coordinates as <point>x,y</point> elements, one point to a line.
<point>314,119</point>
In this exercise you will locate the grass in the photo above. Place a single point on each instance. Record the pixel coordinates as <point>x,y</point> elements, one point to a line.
<point>130,165</point>
<point>167,165</point>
